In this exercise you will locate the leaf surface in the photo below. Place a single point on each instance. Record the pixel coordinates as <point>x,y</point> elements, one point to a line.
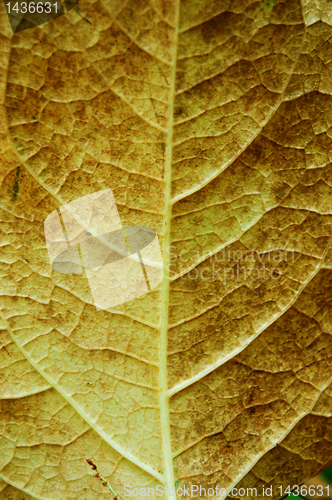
<point>211,123</point>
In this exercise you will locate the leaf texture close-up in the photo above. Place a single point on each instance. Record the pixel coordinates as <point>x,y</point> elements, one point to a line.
<point>211,122</point>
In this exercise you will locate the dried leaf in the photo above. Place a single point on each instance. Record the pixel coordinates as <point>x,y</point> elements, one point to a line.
<point>211,122</point>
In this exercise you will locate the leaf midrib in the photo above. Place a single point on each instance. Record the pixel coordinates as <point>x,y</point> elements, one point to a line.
<point>163,382</point>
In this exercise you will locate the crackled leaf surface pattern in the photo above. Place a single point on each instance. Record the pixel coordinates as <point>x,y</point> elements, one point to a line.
<point>212,124</point>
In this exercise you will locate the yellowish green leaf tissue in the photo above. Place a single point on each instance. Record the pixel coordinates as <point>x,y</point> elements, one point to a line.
<point>191,139</point>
